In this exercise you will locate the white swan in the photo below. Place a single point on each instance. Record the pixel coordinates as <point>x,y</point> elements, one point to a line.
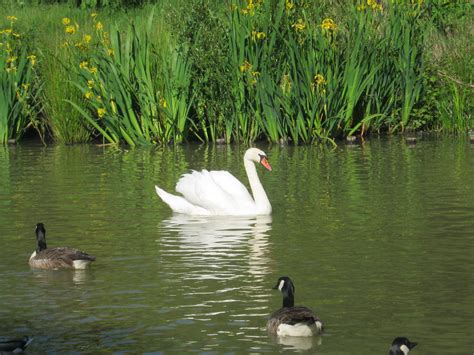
<point>220,193</point>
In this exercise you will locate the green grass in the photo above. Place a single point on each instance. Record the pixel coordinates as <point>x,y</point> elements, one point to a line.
<point>242,71</point>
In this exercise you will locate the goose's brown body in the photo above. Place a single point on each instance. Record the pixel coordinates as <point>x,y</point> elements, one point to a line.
<point>57,258</point>
<point>63,257</point>
<point>291,320</point>
<point>292,316</point>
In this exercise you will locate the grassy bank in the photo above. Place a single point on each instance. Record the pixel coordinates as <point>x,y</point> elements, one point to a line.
<point>239,71</point>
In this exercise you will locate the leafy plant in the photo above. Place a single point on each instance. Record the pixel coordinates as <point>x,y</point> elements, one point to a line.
<point>19,102</point>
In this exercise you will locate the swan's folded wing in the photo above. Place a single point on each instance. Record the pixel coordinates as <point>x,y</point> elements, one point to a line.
<point>199,188</point>
<point>230,184</point>
<point>179,204</point>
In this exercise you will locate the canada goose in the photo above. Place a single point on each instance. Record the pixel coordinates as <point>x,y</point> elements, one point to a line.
<point>55,258</point>
<point>401,346</point>
<point>14,346</point>
<point>290,320</point>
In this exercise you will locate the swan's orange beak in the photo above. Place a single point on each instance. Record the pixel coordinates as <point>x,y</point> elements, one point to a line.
<point>265,163</point>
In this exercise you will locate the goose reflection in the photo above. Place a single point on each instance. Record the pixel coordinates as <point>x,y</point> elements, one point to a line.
<point>298,343</point>
<point>217,242</point>
<point>51,277</point>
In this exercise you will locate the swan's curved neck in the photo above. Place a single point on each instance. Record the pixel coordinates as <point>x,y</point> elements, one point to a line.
<point>259,195</point>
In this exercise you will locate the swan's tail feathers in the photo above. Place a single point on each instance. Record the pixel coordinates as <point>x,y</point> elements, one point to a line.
<point>177,203</point>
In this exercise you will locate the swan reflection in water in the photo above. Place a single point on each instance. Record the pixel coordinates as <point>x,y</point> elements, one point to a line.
<point>214,241</point>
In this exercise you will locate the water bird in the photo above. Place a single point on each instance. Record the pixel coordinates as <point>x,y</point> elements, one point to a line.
<point>14,346</point>
<point>290,320</point>
<point>56,258</point>
<point>410,140</point>
<point>401,346</point>
<point>220,193</point>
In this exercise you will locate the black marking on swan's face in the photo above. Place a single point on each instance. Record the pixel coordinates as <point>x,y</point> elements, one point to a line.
<point>262,156</point>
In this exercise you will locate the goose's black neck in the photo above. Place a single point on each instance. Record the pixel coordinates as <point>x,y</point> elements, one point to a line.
<point>40,237</point>
<point>288,299</point>
<point>41,245</point>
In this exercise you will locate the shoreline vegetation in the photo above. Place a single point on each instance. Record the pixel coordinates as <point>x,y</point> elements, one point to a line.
<point>297,72</point>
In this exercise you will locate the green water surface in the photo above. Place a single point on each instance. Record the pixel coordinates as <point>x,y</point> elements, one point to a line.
<point>378,239</point>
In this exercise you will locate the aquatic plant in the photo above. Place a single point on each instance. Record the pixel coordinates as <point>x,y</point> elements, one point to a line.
<point>281,71</point>
<point>134,93</point>
<point>19,103</point>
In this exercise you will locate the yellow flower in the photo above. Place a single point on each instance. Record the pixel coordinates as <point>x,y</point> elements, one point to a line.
<point>250,8</point>
<point>110,52</point>
<point>12,18</point>
<point>289,5</point>
<point>258,35</point>
<point>245,66</point>
<point>88,95</point>
<point>25,86</point>
<point>11,59</point>
<point>93,70</point>
<point>83,64</point>
<point>66,21</point>
<point>94,15</point>
<point>70,29</point>
<point>32,59</point>
<point>361,7</point>
<point>101,112</point>
<point>299,25</point>
<point>7,31</point>
<point>163,103</point>
<point>319,79</point>
<point>17,35</point>
<point>87,38</point>
<point>11,69</point>
<point>90,84</point>
<point>99,26</point>
<point>375,4</point>
<point>329,24</point>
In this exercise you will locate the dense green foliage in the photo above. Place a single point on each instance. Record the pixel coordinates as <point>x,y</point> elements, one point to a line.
<point>240,71</point>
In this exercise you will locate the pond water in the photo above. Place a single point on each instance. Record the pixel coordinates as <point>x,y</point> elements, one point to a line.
<point>378,239</point>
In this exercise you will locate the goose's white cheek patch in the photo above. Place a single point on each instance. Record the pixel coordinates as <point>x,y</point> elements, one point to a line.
<point>280,286</point>
<point>405,349</point>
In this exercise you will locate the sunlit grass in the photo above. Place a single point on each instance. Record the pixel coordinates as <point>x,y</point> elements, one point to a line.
<point>280,71</point>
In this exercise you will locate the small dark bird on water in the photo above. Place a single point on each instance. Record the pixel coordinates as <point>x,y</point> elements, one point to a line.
<point>290,320</point>
<point>56,258</point>
<point>401,346</point>
<point>14,346</point>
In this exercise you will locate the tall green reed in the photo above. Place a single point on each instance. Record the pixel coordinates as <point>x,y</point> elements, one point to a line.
<point>20,89</point>
<point>65,123</point>
<point>136,91</point>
